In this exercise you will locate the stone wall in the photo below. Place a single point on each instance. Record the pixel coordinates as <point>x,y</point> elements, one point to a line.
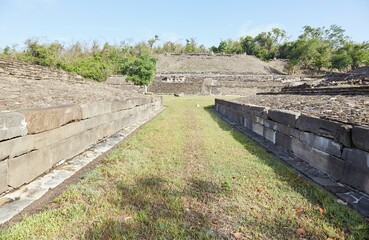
<point>33,141</point>
<point>338,149</point>
<point>22,70</point>
<point>215,83</point>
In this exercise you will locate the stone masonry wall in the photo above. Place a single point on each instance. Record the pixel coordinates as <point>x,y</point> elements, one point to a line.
<point>22,70</point>
<point>33,141</point>
<point>341,150</point>
<point>215,83</point>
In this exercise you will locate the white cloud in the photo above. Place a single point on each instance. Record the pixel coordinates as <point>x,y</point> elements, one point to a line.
<point>247,29</point>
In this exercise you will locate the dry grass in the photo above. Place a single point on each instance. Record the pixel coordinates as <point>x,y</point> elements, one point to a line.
<point>188,175</point>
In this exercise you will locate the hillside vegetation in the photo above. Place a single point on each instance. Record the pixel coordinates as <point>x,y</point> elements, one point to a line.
<point>315,49</point>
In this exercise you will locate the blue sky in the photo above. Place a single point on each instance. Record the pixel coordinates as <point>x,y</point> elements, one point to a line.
<point>208,21</point>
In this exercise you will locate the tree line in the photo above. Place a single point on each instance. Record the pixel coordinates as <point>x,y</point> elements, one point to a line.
<point>316,48</point>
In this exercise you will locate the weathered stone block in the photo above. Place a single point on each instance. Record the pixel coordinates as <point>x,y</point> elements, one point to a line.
<point>256,110</point>
<point>285,117</point>
<point>339,132</point>
<point>12,124</point>
<point>258,128</point>
<point>269,134</point>
<point>15,147</point>
<point>360,137</point>
<point>257,119</point>
<point>270,124</point>
<point>288,130</point>
<point>321,143</point>
<point>41,120</point>
<point>356,173</point>
<point>237,106</point>
<point>284,140</point>
<point>322,161</point>
<point>27,167</point>
<point>247,121</point>
<point>3,176</point>
<point>90,110</point>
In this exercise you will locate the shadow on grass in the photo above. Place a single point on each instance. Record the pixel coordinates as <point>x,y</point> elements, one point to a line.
<point>338,215</point>
<point>159,212</point>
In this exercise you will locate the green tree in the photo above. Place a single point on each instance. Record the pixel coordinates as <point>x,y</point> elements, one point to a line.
<point>266,43</point>
<point>247,44</point>
<point>140,70</point>
<point>359,53</point>
<point>341,60</point>
<point>6,50</point>
<point>191,45</point>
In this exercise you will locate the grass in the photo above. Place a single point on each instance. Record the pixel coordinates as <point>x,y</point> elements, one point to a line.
<point>188,175</point>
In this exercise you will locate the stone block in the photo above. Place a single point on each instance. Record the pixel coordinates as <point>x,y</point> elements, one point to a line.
<point>247,121</point>
<point>257,119</point>
<point>285,117</point>
<point>360,137</point>
<point>270,124</point>
<point>320,160</point>
<point>16,146</point>
<point>356,172</point>
<point>25,168</point>
<point>121,105</point>
<point>42,120</point>
<point>325,144</point>
<point>284,140</point>
<point>269,134</point>
<point>54,136</point>
<point>90,110</point>
<point>258,128</point>
<point>256,110</point>
<point>288,130</point>
<point>3,176</point>
<point>338,131</point>
<point>12,124</point>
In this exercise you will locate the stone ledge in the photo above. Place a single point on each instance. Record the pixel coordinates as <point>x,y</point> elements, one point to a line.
<point>285,117</point>
<point>337,131</point>
<point>360,137</point>
<point>356,172</point>
<point>325,144</point>
<point>41,120</point>
<point>12,124</point>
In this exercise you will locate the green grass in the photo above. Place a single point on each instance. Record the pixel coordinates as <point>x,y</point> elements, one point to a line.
<point>188,175</point>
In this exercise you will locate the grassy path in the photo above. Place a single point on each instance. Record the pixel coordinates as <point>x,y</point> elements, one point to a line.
<point>188,175</point>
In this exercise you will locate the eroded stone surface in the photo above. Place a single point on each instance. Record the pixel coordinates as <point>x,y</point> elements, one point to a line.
<point>3,176</point>
<point>12,124</point>
<point>28,94</point>
<point>45,119</point>
<point>349,109</point>
<point>360,137</point>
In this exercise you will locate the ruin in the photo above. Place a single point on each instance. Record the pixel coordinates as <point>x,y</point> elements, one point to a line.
<point>50,116</point>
